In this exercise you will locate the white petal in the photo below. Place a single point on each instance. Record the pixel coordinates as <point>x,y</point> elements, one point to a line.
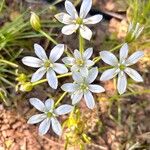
<point>77,77</point>
<point>69,87</point>
<point>60,68</point>
<point>109,74</point>
<point>89,63</point>
<point>56,126</point>
<point>84,71</point>
<point>40,52</point>
<point>89,99</point>
<point>36,118</point>
<point>96,88</point>
<point>63,109</point>
<point>122,82</point>
<point>64,18</point>
<point>109,58</point>
<point>57,52</point>
<point>93,72</point>
<point>71,9</point>
<point>134,74</point>
<point>85,8</point>
<point>49,104</point>
<point>38,104</point>
<point>44,126</point>
<point>85,32</point>
<point>88,53</point>
<point>68,60</point>
<point>38,74</point>
<point>52,79</point>
<point>75,68</point>
<point>76,97</point>
<point>93,20</point>
<point>77,54</point>
<point>32,61</point>
<point>123,52</point>
<point>134,58</point>
<point>69,29</point>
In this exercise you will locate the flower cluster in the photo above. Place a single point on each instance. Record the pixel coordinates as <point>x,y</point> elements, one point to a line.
<point>83,71</point>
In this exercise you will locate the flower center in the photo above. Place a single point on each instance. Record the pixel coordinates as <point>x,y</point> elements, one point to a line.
<point>49,114</point>
<point>83,87</point>
<point>79,21</point>
<point>80,62</point>
<point>122,67</point>
<point>48,64</point>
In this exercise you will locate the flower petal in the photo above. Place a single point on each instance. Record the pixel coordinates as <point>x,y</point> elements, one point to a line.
<point>38,104</point>
<point>76,97</point>
<point>134,58</point>
<point>84,71</point>
<point>134,74</point>
<point>69,29</point>
<point>68,60</point>
<point>109,74</point>
<point>93,72</point>
<point>64,18</point>
<point>49,104</point>
<point>85,32</point>
<point>77,54</point>
<point>56,126</point>
<point>44,126</point>
<point>122,82</point>
<point>63,109</point>
<point>96,88</point>
<point>77,77</point>
<point>109,58</point>
<point>40,52</point>
<point>88,53</point>
<point>32,62</point>
<point>89,99</point>
<point>52,79</point>
<point>85,8</point>
<point>60,68</point>
<point>71,9</point>
<point>123,52</point>
<point>89,63</point>
<point>69,87</point>
<point>93,20</point>
<point>56,52</point>
<point>38,74</point>
<point>36,118</point>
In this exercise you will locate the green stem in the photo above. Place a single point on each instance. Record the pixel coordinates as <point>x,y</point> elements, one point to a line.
<point>8,63</point>
<point>117,47</point>
<point>81,43</point>
<point>61,97</point>
<point>45,80</point>
<point>119,112</point>
<point>48,36</point>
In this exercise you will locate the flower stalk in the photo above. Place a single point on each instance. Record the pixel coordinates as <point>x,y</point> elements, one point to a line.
<point>81,43</point>
<point>9,63</point>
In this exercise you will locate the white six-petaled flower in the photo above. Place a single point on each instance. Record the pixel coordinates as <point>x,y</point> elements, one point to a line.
<point>46,65</point>
<point>48,115</point>
<point>82,87</point>
<point>121,67</point>
<point>73,21</point>
<point>80,62</point>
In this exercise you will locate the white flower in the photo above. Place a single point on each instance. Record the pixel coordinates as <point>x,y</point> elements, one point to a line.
<point>121,67</point>
<point>82,87</point>
<point>48,115</point>
<point>74,21</point>
<point>80,62</point>
<point>46,65</point>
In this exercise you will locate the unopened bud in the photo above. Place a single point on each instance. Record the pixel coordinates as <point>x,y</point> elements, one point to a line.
<point>26,87</point>
<point>21,78</point>
<point>35,21</point>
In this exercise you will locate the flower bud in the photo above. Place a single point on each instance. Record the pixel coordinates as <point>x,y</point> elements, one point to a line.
<point>134,31</point>
<point>21,78</point>
<point>26,87</point>
<point>35,21</point>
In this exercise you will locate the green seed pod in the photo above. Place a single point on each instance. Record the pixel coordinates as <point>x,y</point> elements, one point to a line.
<point>26,87</point>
